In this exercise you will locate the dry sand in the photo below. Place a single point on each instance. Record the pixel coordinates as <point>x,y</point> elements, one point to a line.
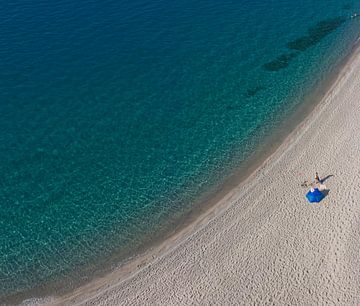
<point>264,243</point>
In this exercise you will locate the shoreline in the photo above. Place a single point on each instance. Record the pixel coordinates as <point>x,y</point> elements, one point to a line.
<point>134,267</point>
<point>215,203</point>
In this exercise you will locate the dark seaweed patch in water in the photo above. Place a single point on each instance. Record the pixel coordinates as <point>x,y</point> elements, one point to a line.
<point>316,34</point>
<point>253,91</point>
<point>280,62</point>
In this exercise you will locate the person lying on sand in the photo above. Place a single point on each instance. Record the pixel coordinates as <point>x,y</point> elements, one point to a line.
<point>304,184</point>
<point>307,184</point>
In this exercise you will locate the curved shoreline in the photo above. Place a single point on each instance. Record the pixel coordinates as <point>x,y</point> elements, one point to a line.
<point>156,256</point>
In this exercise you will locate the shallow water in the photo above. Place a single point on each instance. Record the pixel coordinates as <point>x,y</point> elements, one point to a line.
<point>116,117</point>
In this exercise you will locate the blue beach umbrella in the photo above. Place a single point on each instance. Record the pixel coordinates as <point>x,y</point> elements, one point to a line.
<point>315,196</point>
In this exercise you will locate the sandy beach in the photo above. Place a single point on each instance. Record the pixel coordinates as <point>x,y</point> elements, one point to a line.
<point>264,243</point>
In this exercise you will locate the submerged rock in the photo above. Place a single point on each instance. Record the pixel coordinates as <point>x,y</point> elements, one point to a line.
<point>316,34</point>
<point>281,62</point>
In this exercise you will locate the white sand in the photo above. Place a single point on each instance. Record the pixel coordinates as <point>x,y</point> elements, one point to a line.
<point>265,244</point>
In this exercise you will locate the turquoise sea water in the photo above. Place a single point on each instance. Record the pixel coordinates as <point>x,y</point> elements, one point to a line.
<point>117,115</point>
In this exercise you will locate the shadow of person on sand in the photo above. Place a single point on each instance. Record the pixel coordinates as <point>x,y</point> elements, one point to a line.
<point>326,191</point>
<point>326,178</point>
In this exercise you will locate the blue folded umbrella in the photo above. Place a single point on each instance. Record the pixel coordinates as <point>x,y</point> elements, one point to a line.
<point>315,196</point>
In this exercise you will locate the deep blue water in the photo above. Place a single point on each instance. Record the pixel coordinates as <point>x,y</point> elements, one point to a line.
<point>117,115</point>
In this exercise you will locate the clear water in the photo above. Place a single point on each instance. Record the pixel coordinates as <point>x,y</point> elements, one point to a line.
<point>117,115</point>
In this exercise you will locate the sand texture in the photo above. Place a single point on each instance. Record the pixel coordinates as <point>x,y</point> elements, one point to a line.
<point>267,244</point>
